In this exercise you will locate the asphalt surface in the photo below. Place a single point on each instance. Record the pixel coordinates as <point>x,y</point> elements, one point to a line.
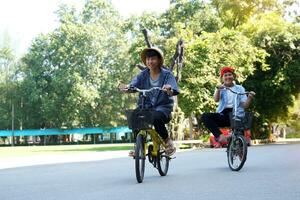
<point>271,172</point>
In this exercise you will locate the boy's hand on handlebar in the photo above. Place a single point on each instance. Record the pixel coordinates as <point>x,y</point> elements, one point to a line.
<point>123,88</point>
<point>168,89</point>
<point>220,87</point>
<point>251,94</point>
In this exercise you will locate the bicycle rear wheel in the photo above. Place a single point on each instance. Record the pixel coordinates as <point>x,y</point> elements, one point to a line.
<point>162,162</point>
<point>140,158</point>
<point>237,153</point>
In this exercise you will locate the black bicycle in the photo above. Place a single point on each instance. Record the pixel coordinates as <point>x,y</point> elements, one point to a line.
<point>237,147</point>
<point>148,142</point>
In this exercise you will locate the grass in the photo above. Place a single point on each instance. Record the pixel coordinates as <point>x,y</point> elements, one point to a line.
<point>24,151</point>
<point>6,152</point>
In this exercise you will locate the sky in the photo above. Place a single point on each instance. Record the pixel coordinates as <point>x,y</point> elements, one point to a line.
<point>23,20</point>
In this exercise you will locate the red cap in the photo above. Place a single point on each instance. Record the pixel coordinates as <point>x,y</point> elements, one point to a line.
<point>225,70</point>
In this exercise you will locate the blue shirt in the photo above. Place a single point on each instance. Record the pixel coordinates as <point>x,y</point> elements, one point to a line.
<point>157,99</point>
<point>237,103</point>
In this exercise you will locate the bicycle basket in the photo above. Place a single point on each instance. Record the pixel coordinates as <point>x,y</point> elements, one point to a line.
<point>245,122</point>
<point>139,119</point>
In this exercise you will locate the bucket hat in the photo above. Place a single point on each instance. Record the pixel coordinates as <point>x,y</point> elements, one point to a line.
<point>143,54</point>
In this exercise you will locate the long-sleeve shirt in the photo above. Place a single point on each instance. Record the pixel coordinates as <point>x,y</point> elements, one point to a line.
<point>237,103</point>
<point>157,99</point>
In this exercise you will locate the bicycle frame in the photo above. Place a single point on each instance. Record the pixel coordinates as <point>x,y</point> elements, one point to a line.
<point>237,146</point>
<point>155,139</point>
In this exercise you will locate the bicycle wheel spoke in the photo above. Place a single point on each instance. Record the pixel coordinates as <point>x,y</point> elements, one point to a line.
<point>237,152</point>
<point>163,163</point>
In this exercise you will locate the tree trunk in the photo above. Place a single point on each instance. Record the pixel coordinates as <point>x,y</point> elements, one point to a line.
<point>191,126</point>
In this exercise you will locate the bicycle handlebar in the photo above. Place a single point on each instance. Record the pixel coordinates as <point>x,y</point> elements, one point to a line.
<point>144,91</point>
<point>238,93</point>
<point>241,93</point>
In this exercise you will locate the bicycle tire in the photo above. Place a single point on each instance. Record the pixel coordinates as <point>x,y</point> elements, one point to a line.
<point>162,163</point>
<point>140,158</point>
<point>237,151</point>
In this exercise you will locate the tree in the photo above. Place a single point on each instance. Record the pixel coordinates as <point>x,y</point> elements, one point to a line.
<point>71,74</point>
<point>278,82</point>
<point>7,85</point>
<point>193,15</point>
<point>235,13</point>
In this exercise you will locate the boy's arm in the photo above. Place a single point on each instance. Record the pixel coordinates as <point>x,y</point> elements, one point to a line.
<point>246,101</point>
<point>171,86</point>
<point>134,83</point>
<point>250,97</point>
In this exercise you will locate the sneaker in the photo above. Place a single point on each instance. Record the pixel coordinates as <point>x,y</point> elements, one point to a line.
<point>170,150</point>
<point>217,145</point>
<point>222,139</point>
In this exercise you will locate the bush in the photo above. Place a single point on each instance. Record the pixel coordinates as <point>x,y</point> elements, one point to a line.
<point>293,135</point>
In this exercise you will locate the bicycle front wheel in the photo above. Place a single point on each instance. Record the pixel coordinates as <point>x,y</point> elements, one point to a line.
<point>162,162</point>
<point>237,153</point>
<point>140,158</point>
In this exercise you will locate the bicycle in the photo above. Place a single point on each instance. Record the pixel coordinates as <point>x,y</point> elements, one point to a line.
<point>237,146</point>
<point>141,122</point>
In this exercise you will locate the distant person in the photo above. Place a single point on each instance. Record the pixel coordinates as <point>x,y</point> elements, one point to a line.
<point>155,75</point>
<point>213,121</point>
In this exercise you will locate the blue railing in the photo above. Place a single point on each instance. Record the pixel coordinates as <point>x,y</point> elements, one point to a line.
<point>36,132</point>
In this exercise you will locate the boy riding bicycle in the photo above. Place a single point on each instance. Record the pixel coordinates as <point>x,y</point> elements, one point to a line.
<point>155,75</point>
<point>213,121</point>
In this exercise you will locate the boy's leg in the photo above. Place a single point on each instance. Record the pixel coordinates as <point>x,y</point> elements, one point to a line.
<point>159,124</point>
<point>213,121</point>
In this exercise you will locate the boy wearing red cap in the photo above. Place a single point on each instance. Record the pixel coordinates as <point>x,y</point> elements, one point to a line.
<point>226,104</point>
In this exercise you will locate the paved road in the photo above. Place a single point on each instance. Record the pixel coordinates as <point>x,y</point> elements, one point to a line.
<point>272,172</point>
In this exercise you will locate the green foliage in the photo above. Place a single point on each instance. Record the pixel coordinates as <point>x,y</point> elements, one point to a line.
<point>280,81</point>
<point>204,137</point>
<point>8,85</point>
<point>294,116</point>
<point>71,74</point>
<point>133,27</point>
<point>293,135</point>
<point>192,15</point>
<point>175,125</point>
<point>235,13</point>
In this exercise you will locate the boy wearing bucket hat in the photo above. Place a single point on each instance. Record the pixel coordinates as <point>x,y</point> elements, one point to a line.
<point>155,75</point>
<point>226,104</point>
